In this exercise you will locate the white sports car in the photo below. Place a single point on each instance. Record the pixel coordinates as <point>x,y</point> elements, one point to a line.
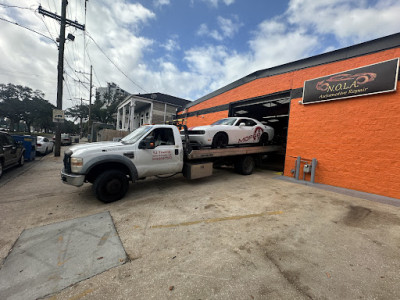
<point>231,131</point>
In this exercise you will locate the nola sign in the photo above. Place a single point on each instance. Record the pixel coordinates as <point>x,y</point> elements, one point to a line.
<point>372,79</point>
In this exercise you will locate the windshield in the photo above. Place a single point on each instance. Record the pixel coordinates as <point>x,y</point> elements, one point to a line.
<point>228,121</point>
<point>135,135</point>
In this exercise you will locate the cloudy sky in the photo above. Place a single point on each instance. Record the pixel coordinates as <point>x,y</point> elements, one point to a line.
<point>184,48</point>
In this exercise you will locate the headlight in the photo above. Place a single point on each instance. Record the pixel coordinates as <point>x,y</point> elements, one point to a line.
<point>76,164</point>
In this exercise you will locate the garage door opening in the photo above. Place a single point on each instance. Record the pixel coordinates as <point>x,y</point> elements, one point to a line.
<point>272,111</point>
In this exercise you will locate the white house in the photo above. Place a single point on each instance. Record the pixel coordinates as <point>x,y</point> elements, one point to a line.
<point>155,108</point>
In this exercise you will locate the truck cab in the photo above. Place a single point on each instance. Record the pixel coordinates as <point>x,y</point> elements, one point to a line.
<point>149,150</point>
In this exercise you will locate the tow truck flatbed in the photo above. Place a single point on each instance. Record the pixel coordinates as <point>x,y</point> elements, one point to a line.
<point>232,151</point>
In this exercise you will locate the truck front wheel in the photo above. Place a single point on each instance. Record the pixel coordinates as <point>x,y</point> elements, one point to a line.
<point>111,186</point>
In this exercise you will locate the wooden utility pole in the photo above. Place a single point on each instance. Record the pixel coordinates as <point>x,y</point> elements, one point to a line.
<point>90,107</point>
<point>60,66</point>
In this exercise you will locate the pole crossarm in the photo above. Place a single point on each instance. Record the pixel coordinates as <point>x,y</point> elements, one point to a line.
<point>58,18</point>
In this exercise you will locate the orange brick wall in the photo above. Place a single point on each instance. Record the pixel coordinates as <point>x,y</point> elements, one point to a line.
<point>356,141</point>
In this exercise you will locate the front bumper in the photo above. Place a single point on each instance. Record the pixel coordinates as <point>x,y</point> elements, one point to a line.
<point>72,179</point>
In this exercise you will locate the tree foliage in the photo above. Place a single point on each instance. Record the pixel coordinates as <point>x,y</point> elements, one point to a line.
<point>20,103</point>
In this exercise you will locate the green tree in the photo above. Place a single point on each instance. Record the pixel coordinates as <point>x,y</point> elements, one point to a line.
<point>21,103</point>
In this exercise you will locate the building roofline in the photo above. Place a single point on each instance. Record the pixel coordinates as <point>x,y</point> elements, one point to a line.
<point>369,47</point>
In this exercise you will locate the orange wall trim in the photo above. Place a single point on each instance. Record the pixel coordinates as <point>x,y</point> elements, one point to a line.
<point>356,141</point>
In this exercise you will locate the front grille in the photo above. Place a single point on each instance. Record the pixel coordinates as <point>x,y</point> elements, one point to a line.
<point>67,162</point>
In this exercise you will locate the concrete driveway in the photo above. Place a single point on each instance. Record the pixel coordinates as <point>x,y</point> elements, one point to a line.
<point>224,237</point>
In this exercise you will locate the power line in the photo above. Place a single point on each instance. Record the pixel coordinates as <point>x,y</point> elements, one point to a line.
<point>15,23</point>
<point>15,6</point>
<point>52,38</point>
<point>115,65</point>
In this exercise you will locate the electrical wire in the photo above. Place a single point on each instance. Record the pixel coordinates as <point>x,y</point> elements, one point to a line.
<point>15,23</point>
<point>15,6</point>
<point>115,65</point>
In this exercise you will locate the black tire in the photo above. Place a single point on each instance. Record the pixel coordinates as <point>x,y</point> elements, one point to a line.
<point>263,139</point>
<point>220,140</point>
<point>21,160</point>
<point>1,169</point>
<point>111,186</point>
<point>245,165</point>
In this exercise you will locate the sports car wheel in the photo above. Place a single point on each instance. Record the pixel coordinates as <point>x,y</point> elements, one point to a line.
<point>263,139</point>
<point>220,140</point>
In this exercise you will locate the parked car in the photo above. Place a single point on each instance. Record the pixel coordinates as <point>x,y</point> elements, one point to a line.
<point>11,152</point>
<point>65,139</point>
<point>231,131</point>
<point>44,145</point>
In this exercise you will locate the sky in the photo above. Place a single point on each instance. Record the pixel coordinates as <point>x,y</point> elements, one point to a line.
<point>183,48</point>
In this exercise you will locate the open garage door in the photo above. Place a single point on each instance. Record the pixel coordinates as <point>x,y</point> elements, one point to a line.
<point>269,110</point>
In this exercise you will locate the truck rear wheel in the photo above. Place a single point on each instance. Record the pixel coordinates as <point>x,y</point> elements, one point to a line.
<point>245,165</point>
<point>111,186</point>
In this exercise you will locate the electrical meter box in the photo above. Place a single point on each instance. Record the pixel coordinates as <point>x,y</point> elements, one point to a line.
<point>307,168</point>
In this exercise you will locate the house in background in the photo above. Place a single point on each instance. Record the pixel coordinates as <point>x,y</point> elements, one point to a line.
<point>155,108</point>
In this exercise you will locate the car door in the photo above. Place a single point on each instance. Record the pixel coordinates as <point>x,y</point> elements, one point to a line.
<point>10,149</point>
<point>244,130</point>
<point>165,158</point>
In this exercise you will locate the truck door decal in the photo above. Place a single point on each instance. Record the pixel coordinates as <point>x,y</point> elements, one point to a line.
<point>162,154</point>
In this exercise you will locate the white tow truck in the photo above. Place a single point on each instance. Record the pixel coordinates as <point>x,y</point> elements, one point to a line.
<point>150,150</point>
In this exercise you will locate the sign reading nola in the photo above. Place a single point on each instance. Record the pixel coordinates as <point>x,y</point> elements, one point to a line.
<point>372,79</point>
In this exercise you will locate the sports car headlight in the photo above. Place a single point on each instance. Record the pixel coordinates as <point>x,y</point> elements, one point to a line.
<point>76,164</point>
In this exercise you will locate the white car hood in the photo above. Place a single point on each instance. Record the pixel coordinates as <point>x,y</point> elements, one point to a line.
<point>97,147</point>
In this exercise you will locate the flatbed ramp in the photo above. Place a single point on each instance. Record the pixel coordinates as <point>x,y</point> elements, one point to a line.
<point>232,151</point>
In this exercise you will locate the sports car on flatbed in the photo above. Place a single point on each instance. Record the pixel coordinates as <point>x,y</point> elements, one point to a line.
<point>231,131</point>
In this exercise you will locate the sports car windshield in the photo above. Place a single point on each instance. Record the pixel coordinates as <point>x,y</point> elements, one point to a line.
<point>135,135</point>
<point>228,121</point>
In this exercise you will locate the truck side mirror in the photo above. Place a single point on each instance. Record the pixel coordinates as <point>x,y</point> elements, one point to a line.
<point>147,143</point>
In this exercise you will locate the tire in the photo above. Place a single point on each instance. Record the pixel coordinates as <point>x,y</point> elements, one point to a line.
<point>1,169</point>
<point>46,151</point>
<point>111,186</point>
<point>21,160</point>
<point>263,139</point>
<point>220,140</point>
<point>245,165</point>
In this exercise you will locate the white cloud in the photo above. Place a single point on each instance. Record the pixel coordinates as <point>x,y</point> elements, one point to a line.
<point>171,44</point>
<point>227,28</point>
<point>131,13</point>
<point>215,3</point>
<point>160,3</point>
<point>349,21</point>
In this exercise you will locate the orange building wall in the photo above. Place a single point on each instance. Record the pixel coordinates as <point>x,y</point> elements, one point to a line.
<point>356,141</point>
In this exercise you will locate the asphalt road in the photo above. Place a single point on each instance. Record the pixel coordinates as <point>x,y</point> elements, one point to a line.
<point>223,237</point>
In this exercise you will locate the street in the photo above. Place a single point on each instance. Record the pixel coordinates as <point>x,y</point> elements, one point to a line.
<point>227,236</point>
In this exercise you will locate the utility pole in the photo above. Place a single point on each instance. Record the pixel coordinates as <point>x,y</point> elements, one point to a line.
<point>90,107</point>
<point>81,133</point>
<point>60,66</point>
